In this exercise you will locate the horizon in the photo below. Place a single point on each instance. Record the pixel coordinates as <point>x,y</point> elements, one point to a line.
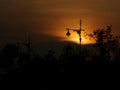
<point>43,39</point>
<point>42,48</point>
<point>46,20</point>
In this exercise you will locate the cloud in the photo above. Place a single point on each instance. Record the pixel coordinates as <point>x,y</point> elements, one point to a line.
<point>46,38</point>
<point>40,17</point>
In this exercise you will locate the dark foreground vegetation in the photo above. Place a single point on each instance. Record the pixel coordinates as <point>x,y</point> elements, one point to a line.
<point>23,65</point>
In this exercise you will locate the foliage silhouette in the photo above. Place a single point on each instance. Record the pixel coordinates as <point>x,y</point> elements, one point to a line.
<point>18,64</point>
<point>106,42</point>
<point>8,56</point>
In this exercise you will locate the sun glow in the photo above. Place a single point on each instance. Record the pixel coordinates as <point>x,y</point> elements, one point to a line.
<point>77,40</point>
<point>74,37</point>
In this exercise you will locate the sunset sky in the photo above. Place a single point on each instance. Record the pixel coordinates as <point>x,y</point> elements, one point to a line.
<point>46,20</point>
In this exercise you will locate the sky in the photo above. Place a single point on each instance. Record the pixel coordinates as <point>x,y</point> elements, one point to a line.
<point>46,20</point>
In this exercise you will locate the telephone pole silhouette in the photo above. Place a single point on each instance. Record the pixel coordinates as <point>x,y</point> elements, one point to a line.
<point>78,32</point>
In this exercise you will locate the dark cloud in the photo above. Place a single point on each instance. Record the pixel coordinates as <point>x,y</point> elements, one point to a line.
<point>39,17</point>
<point>45,38</point>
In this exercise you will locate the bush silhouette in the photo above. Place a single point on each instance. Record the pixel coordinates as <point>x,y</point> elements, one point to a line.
<point>106,42</point>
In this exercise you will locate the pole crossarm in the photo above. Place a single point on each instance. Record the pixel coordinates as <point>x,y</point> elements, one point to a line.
<point>78,32</point>
<point>75,29</point>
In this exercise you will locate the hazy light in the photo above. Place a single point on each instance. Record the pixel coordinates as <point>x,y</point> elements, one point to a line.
<point>59,30</point>
<point>75,39</point>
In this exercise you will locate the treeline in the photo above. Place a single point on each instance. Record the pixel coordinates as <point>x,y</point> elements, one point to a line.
<point>15,60</point>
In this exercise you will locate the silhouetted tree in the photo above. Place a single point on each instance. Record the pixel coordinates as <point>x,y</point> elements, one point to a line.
<point>105,41</point>
<point>51,62</point>
<point>86,54</point>
<point>67,54</point>
<point>8,55</point>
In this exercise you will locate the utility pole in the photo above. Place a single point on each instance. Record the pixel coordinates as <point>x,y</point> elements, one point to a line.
<point>78,32</point>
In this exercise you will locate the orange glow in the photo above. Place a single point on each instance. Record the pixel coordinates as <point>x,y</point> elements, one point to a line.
<point>74,37</point>
<point>76,40</point>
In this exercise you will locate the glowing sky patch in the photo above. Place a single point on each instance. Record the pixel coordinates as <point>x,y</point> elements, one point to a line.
<point>51,17</point>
